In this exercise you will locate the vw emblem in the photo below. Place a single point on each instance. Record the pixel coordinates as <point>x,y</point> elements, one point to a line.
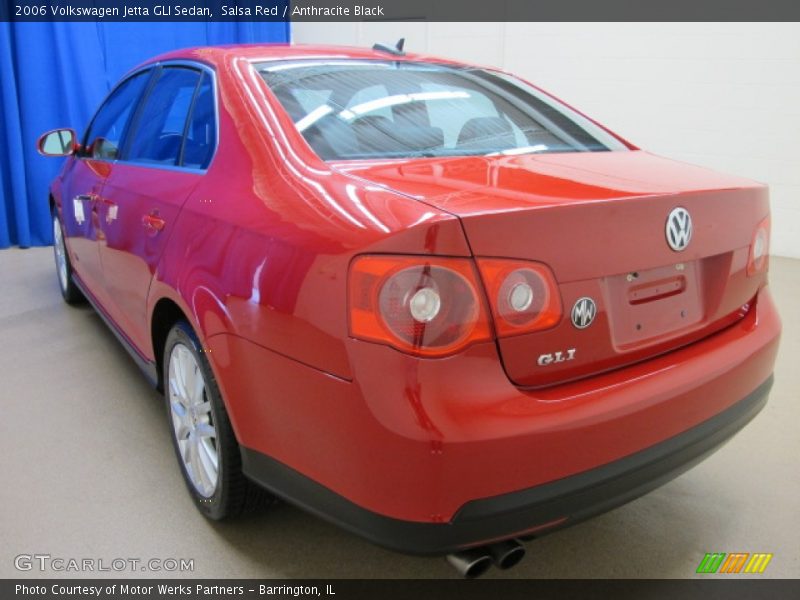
<point>679,229</point>
<point>584,312</point>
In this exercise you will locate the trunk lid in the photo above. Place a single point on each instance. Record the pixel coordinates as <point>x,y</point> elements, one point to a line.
<point>598,220</point>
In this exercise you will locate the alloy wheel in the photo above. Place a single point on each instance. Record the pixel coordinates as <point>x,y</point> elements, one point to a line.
<point>193,421</point>
<point>60,254</point>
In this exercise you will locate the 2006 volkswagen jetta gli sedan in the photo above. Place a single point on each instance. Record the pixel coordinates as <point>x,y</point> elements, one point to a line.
<point>426,301</point>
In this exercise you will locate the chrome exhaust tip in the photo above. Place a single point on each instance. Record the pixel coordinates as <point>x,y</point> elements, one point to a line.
<point>471,563</point>
<point>506,554</point>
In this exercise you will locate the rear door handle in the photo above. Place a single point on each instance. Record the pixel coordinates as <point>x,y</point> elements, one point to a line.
<point>153,222</point>
<point>86,197</point>
<point>100,200</point>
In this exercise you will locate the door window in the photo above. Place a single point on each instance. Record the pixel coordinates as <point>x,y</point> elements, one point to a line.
<point>158,137</point>
<point>110,124</point>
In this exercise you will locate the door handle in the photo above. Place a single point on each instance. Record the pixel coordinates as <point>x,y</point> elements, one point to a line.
<point>153,222</point>
<point>86,197</point>
<point>98,201</point>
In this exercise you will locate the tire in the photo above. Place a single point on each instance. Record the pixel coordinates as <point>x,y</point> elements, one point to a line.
<point>69,291</point>
<point>201,432</point>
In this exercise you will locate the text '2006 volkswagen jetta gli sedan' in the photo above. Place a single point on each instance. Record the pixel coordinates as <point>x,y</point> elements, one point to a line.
<point>424,300</point>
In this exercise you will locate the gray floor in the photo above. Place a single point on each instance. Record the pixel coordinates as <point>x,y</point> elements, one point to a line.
<point>87,471</point>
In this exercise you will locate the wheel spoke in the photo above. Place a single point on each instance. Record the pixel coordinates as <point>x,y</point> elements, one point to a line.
<point>183,432</point>
<point>178,409</point>
<point>201,474</point>
<point>174,386</point>
<point>194,460</point>
<point>209,459</point>
<point>181,371</point>
<point>204,430</point>
<point>175,380</point>
<point>188,451</point>
<point>187,374</point>
<point>198,387</point>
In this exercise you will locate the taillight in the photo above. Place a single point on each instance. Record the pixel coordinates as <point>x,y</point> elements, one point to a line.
<point>426,306</point>
<point>759,248</point>
<point>524,295</point>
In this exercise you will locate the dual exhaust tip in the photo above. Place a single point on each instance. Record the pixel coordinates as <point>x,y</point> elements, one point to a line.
<point>474,562</point>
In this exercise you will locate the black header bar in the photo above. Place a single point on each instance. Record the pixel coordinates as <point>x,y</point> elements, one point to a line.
<point>731,588</point>
<point>400,10</point>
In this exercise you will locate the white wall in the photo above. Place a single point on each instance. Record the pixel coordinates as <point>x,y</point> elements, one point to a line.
<point>724,95</point>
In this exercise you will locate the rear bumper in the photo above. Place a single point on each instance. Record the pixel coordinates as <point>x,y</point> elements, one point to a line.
<point>429,456</point>
<point>531,511</point>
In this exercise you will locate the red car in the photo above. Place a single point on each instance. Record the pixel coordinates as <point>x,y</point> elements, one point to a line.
<point>424,300</point>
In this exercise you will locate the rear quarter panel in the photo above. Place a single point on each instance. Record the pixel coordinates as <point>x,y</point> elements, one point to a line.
<point>263,244</point>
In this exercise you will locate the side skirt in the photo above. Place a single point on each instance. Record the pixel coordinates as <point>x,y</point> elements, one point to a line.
<point>147,367</point>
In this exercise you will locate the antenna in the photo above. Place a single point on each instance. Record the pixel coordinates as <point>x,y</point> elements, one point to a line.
<point>397,49</point>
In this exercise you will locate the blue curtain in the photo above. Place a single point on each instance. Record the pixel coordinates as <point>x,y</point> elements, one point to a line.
<point>55,75</point>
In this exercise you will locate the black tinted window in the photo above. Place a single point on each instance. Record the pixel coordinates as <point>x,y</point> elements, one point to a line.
<point>201,132</point>
<point>109,126</point>
<point>159,131</point>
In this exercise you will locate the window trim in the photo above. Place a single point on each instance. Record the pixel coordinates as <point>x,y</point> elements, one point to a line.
<point>155,68</point>
<point>188,121</point>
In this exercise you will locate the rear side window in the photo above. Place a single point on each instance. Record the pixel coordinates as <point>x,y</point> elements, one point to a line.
<point>158,137</point>
<point>110,124</point>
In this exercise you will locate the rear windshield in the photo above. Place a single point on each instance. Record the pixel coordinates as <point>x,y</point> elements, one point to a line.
<point>353,109</point>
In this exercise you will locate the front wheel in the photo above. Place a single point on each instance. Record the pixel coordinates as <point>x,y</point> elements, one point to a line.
<point>70,291</point>
<point>202,436</point>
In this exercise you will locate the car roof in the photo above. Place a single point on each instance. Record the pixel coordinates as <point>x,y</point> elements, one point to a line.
<point>254,52</point>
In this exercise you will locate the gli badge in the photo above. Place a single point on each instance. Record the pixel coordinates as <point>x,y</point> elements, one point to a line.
<point>555,357</point>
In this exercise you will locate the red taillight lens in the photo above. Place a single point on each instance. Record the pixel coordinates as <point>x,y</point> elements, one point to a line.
<point>524,295</point>
<point>759,249</point>
<point>425,306</point>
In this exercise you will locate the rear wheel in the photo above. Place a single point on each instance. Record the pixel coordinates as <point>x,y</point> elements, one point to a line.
<point>70,291</point>
<point>204,442</point>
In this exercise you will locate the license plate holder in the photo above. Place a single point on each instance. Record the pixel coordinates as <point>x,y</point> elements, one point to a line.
<point>654,304</point>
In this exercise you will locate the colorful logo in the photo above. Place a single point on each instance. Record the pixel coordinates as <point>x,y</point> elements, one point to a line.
<point>735,562</point>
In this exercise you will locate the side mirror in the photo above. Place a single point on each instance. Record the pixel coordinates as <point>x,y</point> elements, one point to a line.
<point>59,142</point>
